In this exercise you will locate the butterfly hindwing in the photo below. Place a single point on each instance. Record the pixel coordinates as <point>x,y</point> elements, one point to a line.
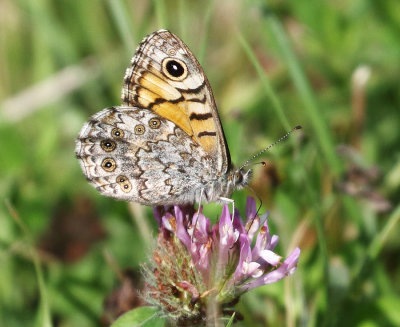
<point>133,154</point>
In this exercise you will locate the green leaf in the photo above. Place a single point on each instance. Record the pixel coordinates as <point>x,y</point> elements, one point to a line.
<point>143,317</point>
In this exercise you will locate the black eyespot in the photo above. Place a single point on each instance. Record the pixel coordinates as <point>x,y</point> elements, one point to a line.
<point>108,145</point>
<point>108,164</point>
<point>174,68</point>
<point>139,129</point>
<point>154,123</point>
<point>117,133</point>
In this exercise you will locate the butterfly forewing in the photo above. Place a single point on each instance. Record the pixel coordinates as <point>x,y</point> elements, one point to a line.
<point>166,77</point>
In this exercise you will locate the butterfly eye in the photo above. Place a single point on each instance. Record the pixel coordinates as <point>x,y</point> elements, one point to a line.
<point>238,178</point>
<point>175,69</point>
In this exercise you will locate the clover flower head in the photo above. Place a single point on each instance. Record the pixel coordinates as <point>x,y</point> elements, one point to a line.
<point>196,266</point>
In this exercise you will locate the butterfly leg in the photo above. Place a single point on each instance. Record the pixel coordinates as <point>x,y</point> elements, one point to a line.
<point>197,216</point>
<point>231,201</point>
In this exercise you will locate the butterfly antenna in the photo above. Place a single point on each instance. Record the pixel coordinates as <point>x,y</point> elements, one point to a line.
<point>284,137</point>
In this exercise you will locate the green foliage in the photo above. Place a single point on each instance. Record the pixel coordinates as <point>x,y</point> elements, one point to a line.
<point>330,66</point>
<point>143,317</point>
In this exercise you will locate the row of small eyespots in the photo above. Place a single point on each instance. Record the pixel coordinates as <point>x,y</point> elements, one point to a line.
<point>154,123</point>
<point>117,133</point>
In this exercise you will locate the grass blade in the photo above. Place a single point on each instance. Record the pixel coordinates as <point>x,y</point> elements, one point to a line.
<point>43,318</point>
<point>276,104</point>
<point>121,19</point>
<point>312,111</point>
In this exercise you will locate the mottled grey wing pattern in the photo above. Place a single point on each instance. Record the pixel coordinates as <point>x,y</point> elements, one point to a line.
<point>134,154</point>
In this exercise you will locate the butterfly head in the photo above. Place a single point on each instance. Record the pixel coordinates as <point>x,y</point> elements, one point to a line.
<point>241,177</point>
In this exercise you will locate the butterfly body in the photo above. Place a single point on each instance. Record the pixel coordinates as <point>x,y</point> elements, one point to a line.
<point>165,144</point>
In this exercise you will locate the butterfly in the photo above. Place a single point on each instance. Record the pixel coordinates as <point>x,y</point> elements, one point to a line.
<point>165,145</point>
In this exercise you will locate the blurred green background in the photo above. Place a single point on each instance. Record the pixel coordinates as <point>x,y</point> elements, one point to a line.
<point>333,189</point>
